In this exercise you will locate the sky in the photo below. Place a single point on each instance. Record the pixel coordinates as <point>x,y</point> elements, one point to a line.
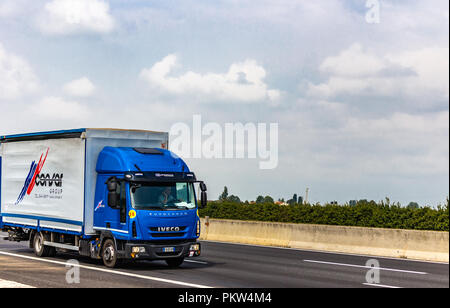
<point>362,107</point>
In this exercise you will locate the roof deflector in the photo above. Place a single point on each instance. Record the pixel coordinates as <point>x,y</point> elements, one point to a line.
<point>148,151</point>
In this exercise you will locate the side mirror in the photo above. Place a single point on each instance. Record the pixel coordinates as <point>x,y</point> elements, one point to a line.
<point>113,199</point>
<point>203,199</point>
<point>112,184</point>
<point>202,186</point>
<point>113,196</point>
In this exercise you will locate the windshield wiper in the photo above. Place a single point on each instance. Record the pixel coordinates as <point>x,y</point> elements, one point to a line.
<point>153,208</point>
<point>182,207</point>
<point>177,207</point>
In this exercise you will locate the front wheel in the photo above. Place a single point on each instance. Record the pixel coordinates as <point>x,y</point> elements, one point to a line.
<point>38,246</point>
<point>109,254</point>
<point>176,262</point>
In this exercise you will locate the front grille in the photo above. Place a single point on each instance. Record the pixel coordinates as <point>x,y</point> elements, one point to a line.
<point>172,234</point>
<point>155,229</point>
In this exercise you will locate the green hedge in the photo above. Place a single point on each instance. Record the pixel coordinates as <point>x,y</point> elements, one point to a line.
<point>364,214</point>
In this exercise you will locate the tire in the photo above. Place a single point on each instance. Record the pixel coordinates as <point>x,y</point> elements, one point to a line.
<point>174,263</point>
<point>109,254</point>
<point>38,246</point>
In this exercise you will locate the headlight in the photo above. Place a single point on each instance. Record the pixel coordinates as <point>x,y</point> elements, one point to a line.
<point>138,249</point>
<point>195,247</point>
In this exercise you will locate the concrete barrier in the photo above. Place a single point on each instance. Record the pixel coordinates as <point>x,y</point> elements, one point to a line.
<point>409,244</point>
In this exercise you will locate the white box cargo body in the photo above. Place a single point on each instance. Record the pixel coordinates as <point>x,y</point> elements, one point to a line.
<point>48,179</point>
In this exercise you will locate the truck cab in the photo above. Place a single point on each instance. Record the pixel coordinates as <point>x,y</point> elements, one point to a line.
<point>145,202</point>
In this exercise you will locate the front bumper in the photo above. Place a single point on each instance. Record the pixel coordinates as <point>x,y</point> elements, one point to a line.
<point>152,251</point>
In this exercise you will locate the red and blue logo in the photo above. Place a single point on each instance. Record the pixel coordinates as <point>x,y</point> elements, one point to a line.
<point>99,205</point>
<point>30,180</point>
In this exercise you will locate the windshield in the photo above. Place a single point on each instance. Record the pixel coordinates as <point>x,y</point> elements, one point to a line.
<point>162,196</point>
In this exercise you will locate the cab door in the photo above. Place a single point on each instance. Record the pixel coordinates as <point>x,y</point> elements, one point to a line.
<point>112,218</point>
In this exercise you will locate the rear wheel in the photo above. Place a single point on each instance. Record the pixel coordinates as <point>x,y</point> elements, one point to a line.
<point>38,246</point>
<point>109,254</point>
<point>176,262</point>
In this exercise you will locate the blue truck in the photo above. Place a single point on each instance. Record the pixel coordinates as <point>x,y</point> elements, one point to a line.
<point>107,194</point>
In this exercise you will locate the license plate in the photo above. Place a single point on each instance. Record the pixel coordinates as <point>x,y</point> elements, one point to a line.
<point>169,249</point>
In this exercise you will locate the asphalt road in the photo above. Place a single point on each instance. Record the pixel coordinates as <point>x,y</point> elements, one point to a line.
<point>222,265</point>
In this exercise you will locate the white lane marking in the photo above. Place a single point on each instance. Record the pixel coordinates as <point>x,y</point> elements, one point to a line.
<point>12,284</point>
<point>380,285</point>
<point>328,252</point>
<point>195,261</point>
<point>369,267</point>
<point>186,284</point>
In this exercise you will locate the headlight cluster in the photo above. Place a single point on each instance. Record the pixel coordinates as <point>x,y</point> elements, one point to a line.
<point>194,247</point>
<point>138,249</point>
<point>194,250</point>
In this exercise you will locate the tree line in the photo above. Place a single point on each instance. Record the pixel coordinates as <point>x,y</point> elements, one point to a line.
<point>362,213</point>
<point>224,196</point>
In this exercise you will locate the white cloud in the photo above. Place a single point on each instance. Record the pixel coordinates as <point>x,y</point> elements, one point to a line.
<point>62,17</point>
<point>244,82</point>
<point>402,143</point>
<point>412,74</point>
<point>7,8</point>
<point>15,8</point>
<point>60,109</point>
<point>431,66</point>
<point>16,76</point>
<point>82,87</point>
<point>353,62</point>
